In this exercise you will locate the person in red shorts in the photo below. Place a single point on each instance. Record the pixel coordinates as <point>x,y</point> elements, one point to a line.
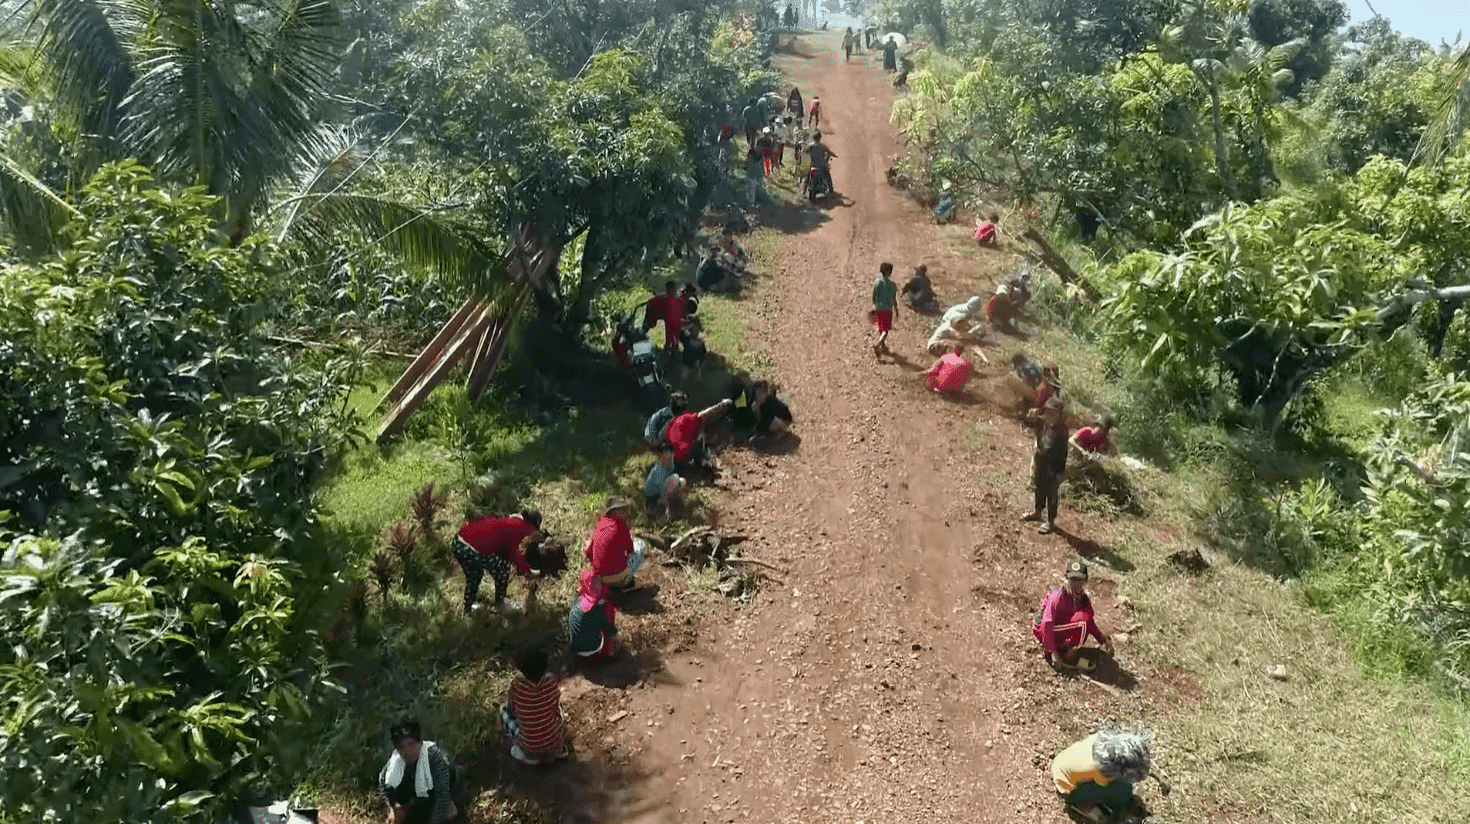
<point>885,305</point>
<point>951,372</point>
<point>531,714</point>
<point>685,432</point>
<point>816,114</point>
<point>494,545</point>
<point>669,308</point>
<point>1065,620</point>
<point>612,552</point>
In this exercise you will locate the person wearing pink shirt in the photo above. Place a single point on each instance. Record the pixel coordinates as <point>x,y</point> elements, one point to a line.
<point>951,372</point>
<point>1095,440</point>
<point>1066,619</point>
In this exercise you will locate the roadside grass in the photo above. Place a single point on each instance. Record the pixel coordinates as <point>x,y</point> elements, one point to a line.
<point>413,652</point>
<point>1351,734</point>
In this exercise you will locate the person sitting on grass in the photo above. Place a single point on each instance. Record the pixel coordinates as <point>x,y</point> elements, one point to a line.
<point>496,546</point>
<point>664,489</point>
<point>952,372</point>
<point>417,781</point>
<point>944,210</point>
<point>531,714</point>
<point>1095,777</point>
<point>733,255</point>
<point>918,291</point>
<point>612,552</point>
<point>986,231</point>
<point>711,275</point>
<point>686,433</point>
<point>693,349</point>
<point>1066,619</point>
<point>653,430</point>
<point>757,409</point>
<point>592,630</point>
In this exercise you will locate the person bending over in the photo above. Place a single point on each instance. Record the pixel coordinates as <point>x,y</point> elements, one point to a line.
<point>658,422</point>
<point>496,546</point>
<point>1096,776</point>
<point>918,291</point>
<point>665,492</point>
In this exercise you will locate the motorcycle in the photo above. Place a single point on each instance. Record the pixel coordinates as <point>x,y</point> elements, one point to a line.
<point>818,183</point>
<point>642,356</point>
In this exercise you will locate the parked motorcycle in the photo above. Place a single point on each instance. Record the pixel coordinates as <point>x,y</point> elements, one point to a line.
<point>818,183</point>
<point>642,356</point>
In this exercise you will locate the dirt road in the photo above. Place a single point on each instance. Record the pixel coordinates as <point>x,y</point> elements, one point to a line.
<point>890,675</point>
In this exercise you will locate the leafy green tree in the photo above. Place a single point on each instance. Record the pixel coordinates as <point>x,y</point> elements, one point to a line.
<point>1313,23</point>
<point>165,556</point>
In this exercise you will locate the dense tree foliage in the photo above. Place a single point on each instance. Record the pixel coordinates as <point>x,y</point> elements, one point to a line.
<point>158,456</point>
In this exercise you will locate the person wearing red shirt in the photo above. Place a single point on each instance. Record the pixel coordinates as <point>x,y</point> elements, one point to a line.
<point>985,231</point>
<point>612,552</point>
<point>1095,440</point>
<point>494,545</point>
<point>531,714</point>
<point>952,372</point>
<point>684,432</point>
<point>816,113</point>
<point>1065,620</point>
<point>669,308</point>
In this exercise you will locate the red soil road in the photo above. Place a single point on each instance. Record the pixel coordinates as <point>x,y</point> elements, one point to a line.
<point>890,674</point>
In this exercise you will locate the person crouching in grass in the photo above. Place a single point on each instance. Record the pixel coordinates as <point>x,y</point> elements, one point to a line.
<point>532,713</point>
<point>1095,777</point>
<point>665,492</point>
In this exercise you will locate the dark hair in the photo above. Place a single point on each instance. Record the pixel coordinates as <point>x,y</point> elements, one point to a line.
<point>921,269</point>
<point>689,287</point>
<point>533,661</point>
<point>994,218</point>
<point>547,557</point>
<point>665,446</point>
<point>671,284</point>
<point>678,401</point>
<point>532,517</point>
<point>816,136</point>
<point>886,268</point>
<point>407,729</point>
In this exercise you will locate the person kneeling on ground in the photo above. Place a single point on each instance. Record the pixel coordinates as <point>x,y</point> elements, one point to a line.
<point>959,325</point>
<point>757,409</point>
<point>1049,463</point>
<point>1096,776</point>
<point>653,431</point>
<point>944,210</point>
<point>592,630</point>
<point>531,714</point>
<point>686,433</point>
<point>495,545</point>
<point>612,552</point>
<point>985,231</point>
<point>664,490</point>
<point>712,276</point>
<point>918,292</point>
<point>1065,620</point>
<point>951,372</point>
<point>417,781</point>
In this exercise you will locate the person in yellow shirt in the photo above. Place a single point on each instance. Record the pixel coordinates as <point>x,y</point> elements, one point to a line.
<point>1096,775</point>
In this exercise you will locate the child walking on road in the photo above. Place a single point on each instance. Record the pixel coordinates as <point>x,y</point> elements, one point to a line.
<point>885,304</point>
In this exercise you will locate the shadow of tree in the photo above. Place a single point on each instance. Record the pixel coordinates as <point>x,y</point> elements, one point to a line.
<point>1096,552</point>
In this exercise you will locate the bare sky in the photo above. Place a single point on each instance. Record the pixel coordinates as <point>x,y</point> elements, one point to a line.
<point>1428,20</point>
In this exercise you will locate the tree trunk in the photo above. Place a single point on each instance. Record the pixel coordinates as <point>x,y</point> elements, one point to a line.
<point>580,310</point>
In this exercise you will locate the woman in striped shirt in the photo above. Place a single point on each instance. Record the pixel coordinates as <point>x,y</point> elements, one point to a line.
<point>533,714</point>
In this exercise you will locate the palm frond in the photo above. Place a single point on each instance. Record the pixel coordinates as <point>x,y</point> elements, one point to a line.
<point>421,238</point>
<point>90,62</point>
<point>31,212</point>
<point>1445,131</point>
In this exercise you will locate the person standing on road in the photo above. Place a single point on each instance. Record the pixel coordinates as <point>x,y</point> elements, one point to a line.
<point>1066,619</point>
<point>816,113</point>
<point>885,305</point>
<point>795,105</point>
<point>847,44</point>
<point>890,55</point>
<point>1049,464</point>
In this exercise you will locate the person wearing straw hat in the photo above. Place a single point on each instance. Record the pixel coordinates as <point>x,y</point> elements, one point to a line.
<point>613,553</point>
<point>1050,463</point>
<point>1066,619</point>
